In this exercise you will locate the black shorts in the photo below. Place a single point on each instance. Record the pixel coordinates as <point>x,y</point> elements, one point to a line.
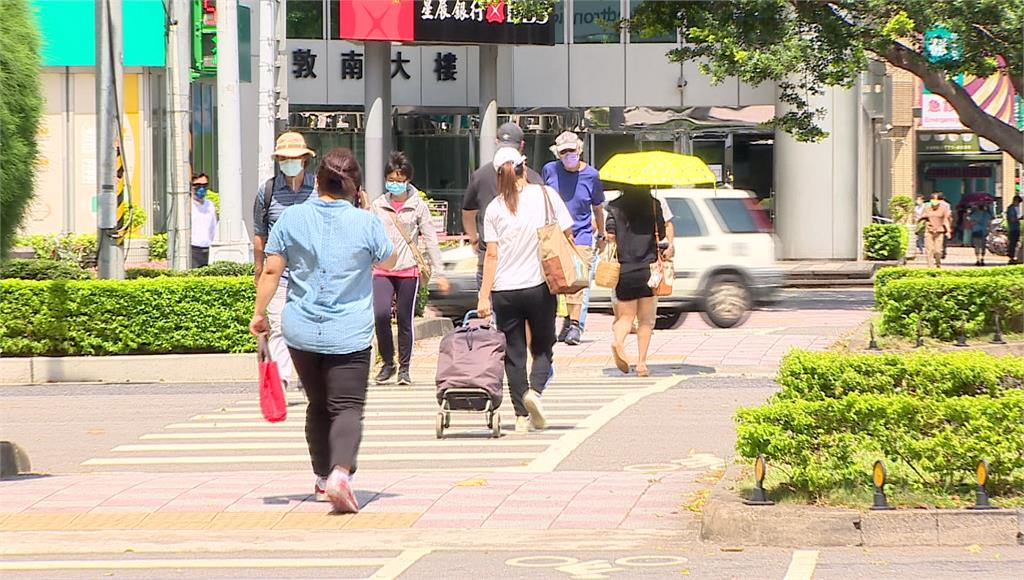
<point>633,282</point>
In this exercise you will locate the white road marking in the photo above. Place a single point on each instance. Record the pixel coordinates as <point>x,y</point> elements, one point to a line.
<point>272,445</point>
<point>195,563</point>
<point>432,406</point>
<point>296,434</point>
<point>399,565</point>
<point>368,415</point>
<point>802,566</point>
<point>303,458</point>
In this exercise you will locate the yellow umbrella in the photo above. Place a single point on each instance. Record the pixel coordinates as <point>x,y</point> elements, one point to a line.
<point>656,168</point>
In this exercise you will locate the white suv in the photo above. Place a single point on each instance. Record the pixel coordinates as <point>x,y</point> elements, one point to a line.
<point>724,254</point>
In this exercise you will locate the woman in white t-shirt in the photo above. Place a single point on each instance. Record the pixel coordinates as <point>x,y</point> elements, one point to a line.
<point>514,281</point>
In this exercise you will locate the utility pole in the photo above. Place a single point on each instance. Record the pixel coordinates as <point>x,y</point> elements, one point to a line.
<point>281,72</point>
<point>179,167</point>
<point>110,259</point>
<point>267,105</point>
<point>232,242</point>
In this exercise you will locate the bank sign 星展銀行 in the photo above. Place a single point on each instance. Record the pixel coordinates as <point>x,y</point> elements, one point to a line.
<point>442,21</point>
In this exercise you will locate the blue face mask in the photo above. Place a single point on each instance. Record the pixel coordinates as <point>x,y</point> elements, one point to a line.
<point>201,192</point>
<point>395,187</point>
<point>290,167</point>
<point>571,160</point>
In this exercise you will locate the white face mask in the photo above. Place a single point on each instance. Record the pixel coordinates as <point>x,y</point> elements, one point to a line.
<point>291,167</point>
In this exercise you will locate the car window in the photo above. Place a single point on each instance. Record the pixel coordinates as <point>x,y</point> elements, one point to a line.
<point>685,219</point>
<point>738,216</point>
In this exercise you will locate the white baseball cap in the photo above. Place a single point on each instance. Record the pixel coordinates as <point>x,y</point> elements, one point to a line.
<point>505,154</point>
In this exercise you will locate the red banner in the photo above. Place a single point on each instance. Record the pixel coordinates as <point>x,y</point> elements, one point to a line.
<point>377,19</point>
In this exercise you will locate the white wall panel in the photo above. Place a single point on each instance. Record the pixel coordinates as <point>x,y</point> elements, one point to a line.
<point>541,76</point>
<point>651,79</point>
<point>407,91</point>
<point>308,90</point>
<point>343,91</point>
<point>762,94</point>
<point>597,75</point>
<point>443,93</point>
<point>698,91</point>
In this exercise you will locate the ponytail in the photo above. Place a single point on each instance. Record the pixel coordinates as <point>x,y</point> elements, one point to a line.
<point>507,188</point>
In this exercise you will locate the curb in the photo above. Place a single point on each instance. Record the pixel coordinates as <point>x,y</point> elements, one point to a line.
<point>158,368</point>
<point>727,520</point>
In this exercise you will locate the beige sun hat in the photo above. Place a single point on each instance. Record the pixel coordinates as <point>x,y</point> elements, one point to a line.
<point>566,141</point>
<point>292,145</point>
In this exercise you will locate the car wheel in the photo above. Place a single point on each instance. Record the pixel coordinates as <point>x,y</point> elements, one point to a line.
<point>727,301</point>
<point>669,319</point>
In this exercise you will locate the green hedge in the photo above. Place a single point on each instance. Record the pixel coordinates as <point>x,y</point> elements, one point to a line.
<point>943,303</point>
<point>819,375</point>
<point>928,443</point>
<point>42,270</point>
<point>158,247</point>
<point>102,317</point>
<point>216,269</point>
<point>885,241</point>
<point>886,275</point>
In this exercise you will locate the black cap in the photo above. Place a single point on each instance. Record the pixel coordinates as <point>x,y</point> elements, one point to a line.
<point>510,134</point>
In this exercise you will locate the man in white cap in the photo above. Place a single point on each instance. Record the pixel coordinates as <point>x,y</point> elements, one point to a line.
<point>581,189</point>
<point>483,187</point>
<point>291,185</point>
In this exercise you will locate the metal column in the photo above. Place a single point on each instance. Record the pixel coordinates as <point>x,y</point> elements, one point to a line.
<point>108,57</point>
<point>267,105</point>
<point>378,114</point>
<point>179,166</point>
<point>488,102</point>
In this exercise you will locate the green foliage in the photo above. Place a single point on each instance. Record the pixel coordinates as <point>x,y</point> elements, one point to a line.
<point>136,273</point>
<point>224,269</point>
<point>885,241</point>
<point>886,275</point>
<point>75,248</point>
<point>421,300</point>
<point>21,105</point>
<point>820,375</point>
<point>901,207</point>
<point>158,247</point>
<point>942,303</point>
<point>928,443</point>
<point>41,270</point>
<point>805,46</point>
<point>214,198</point>
<point>104,317</point>
<point>136,217</point>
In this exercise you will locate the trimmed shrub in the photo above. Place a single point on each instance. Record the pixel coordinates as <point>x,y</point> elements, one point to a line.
<point>223,269</point>
<point>886,275</point>
<point>901,207</point>
<point>885,241</point>
<point>136,273</point>
<point>41,270</point>
<point>823,375</point>
<point>943,303</point>
<point>102,317</point>
<point>158,247</point>
<point>929,443</point>
<point>79,249</point>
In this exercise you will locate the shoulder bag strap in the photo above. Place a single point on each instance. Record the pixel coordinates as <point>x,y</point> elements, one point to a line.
<point>417,255</point>
<point>654,219</point>
<point>268,197</point>
<point>549,210</point>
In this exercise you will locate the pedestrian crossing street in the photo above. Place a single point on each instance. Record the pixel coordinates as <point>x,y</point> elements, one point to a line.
<point>399,432</point>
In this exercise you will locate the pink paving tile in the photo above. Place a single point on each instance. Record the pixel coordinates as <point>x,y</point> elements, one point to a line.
<point>448,524</point>
<point>259,507</point>
<point>584,525</point>
<point>516,524</point>
<point>313,507</point>
<point>648,524</point>
<point>596,511</point>
<point>213,507</point>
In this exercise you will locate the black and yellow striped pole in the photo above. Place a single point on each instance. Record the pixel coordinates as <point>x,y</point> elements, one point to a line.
<point>123,219</point>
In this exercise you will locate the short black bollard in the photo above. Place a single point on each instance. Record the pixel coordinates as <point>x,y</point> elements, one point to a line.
<point>878,475</point>
<point>981,495</point>
<point>759,498</point>
<point>961,336</point>
<point>872,344</point>
<point>997,338</point>
<point>920,335</point>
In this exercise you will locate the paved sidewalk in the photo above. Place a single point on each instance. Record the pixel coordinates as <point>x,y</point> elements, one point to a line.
<point>389,500</point>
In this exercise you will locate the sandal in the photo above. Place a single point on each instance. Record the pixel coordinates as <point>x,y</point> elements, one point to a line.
<point>620,359</point>
<point>643,371</point>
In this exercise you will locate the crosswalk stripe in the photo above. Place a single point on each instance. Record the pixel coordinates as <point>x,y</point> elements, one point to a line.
<point>303,458</point>
<point>270,445</point>
<point>300,420</point>
<point>287,434</point>
<point>371,415</point>
<point>426,406</point>
<point>194,563</point>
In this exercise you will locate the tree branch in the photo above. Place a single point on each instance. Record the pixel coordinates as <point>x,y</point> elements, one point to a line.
<point>1008,138</point>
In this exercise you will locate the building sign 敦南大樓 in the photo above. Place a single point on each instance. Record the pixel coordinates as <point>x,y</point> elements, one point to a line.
<point>441,21</point>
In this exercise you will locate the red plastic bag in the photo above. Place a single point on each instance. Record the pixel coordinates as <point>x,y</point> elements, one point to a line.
<point>272,401</point>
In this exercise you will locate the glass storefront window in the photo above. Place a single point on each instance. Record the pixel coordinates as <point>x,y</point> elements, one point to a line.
<point>635,38</point>
<point>558,16</point>
<point>306,18</point>
<point>596,21</point>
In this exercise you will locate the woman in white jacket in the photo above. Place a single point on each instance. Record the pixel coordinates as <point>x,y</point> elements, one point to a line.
<point>406,217</point>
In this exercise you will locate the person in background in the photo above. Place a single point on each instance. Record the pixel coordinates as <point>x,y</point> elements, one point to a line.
<point>979,219</point>
<point>292,185</point>
<point>636,221</point>
<point>483,188</point>
<point>204,221</point>
<point>514,281</point>
<point>949,209</point>
<point>329,247</point>
<point>1013,216</point>
<point>580,187</point>
<point>918,210</point>
<point>670,235</point>
<point>401,209</point>
<point>938,228</point>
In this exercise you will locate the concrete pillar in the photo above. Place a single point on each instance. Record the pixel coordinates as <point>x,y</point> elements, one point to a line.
<point>816,184</point>
<point>377,88</point>
<point>179,167</point>
<point>267,105</point>
<point>488,102</point>
<point>232,243</point>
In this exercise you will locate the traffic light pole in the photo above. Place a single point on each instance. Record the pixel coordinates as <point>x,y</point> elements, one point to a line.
<point>110,256</point>
<point>179,167</point>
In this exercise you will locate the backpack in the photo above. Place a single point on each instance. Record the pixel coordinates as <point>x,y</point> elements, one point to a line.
<point>268,198</point>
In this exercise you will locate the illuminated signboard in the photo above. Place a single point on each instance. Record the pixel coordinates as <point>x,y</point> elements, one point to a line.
<point>441,21</point>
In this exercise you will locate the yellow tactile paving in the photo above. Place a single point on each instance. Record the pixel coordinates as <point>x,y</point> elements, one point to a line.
<point>37,522</point>
<point>308,521</point>
<point>383,521</point>
<point>176,521</point>
<point>244,521</point>
<point>107,521</point>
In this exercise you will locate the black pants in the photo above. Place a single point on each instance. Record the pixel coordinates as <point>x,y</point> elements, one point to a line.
<point>1012,238</point>
<point>388,289</point>
<point>513,309</point>
<point>200,256</point>
<point>336,388</point>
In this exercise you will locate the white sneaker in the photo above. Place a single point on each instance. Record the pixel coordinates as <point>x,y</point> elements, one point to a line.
<point>339,493</point>
<point>532,401</point>
<point>320,489</point>
<point>523,425</point>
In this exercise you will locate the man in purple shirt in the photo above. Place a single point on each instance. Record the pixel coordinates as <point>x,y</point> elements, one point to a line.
<point>583,193</point>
